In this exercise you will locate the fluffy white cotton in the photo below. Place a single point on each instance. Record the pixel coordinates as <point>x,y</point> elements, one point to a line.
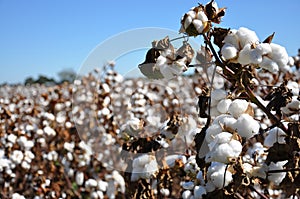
<point>211,132</point>
<point>223,148</point>
<point>238,107</point>
<point>187,194</point>
<point>232,38</point>
<point>143,166</point>
<point>187,185</point>
<point>245,55</point>
<point>199,191</point>
<point>79,178</point>
<point>246,36</point>
<point>275,135</point>
<point>279,55</point>
<point>277,178</point>
<point>223,105</point>
<point>246,126</point>
<point>229,51</point>
<point>132,127</point>
<point>269,65</point>
<point>170,159</point>
<point>216,174</point>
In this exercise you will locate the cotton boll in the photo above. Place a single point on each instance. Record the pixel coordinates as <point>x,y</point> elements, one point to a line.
<point>79,178</point>
<point>199,191</point>
<point>229,51</point>
<point>223,152</point>
<point>279,55</point>
<point>269,65</point>
<point>275,135</point>
<point>218,94</point>
<point>187,194</point>
<point>198,24</point>
<point>188,21</point>
<point>187,185</point>
<point>216,173</point>
<point>246,36</point>
<point>264,48</point>
<point>277,178</point>
<point>200,177</point>
<point>294,86</point>
<point>246,126</point>
<point>223,105</point>
<point>255,56</point>
<point>232,38</point>
<point>238,107</point>
<point>143,166</point>
<point>170,159</point>
<point>244,57</point>
<point>229,123</point>
<point>211,132</point>
<point>191,13</point>
<point>201,16</point>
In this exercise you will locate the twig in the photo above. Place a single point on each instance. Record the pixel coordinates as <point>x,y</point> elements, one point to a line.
<point>254,99</point>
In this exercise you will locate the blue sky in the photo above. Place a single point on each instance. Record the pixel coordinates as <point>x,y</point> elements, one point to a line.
<point>45,37</point>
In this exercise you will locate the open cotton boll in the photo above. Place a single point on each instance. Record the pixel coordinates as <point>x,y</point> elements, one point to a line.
<point>264,48</point>
<point>223,148</point>
<point>279,55</point>
<point>232,38</point>
<point>275,135</point>
<point>187,194</point>
<point>246,36</point>
<point>199,191</point>
<point>143,166</point>
<point>277,178</point>
<point>294,86</point>
<point>198,24</point>
<point>246,126</point>
<point>218,94</point>
<point>223,105</point>
<point>245,55</point>
<point>188,20</point>
<point>216,173</point>
<point>224,152</point>
<point>201,16</point>
<point>229,51</point>
<point>269,65</point>
<point>212,131</point>
<point>170,159</point>
<point>238,107</point>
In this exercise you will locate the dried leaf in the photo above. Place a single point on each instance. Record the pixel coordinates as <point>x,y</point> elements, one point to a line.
<point>187,51</point>
<point>219,34</point>
<point>269,38</point>
<point>162,44</point>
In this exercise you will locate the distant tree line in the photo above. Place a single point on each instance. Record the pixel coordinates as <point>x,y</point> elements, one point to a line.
<point>66,75</point>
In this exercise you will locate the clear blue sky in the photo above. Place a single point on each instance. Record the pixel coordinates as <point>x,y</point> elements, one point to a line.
<point>44,37</point>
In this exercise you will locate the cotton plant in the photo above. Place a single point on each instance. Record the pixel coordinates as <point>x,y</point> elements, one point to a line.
<point>243,46</point>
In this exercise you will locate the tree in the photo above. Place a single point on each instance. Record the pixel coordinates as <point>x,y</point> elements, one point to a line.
<point>67,75</point>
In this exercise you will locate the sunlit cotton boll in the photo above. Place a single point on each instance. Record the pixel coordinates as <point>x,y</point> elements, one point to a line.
<point>277,178</point>
<point>246,126</point>
<point>275,135</point>
<point>216,174</point>
<point>238,107</point>
<point>223,148</point>
<point>229,51</point>
<point>246,36</point>
<point>143,166</point>
<point>199,191</point>
<point>223,105</point>
<point>279,55</point>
